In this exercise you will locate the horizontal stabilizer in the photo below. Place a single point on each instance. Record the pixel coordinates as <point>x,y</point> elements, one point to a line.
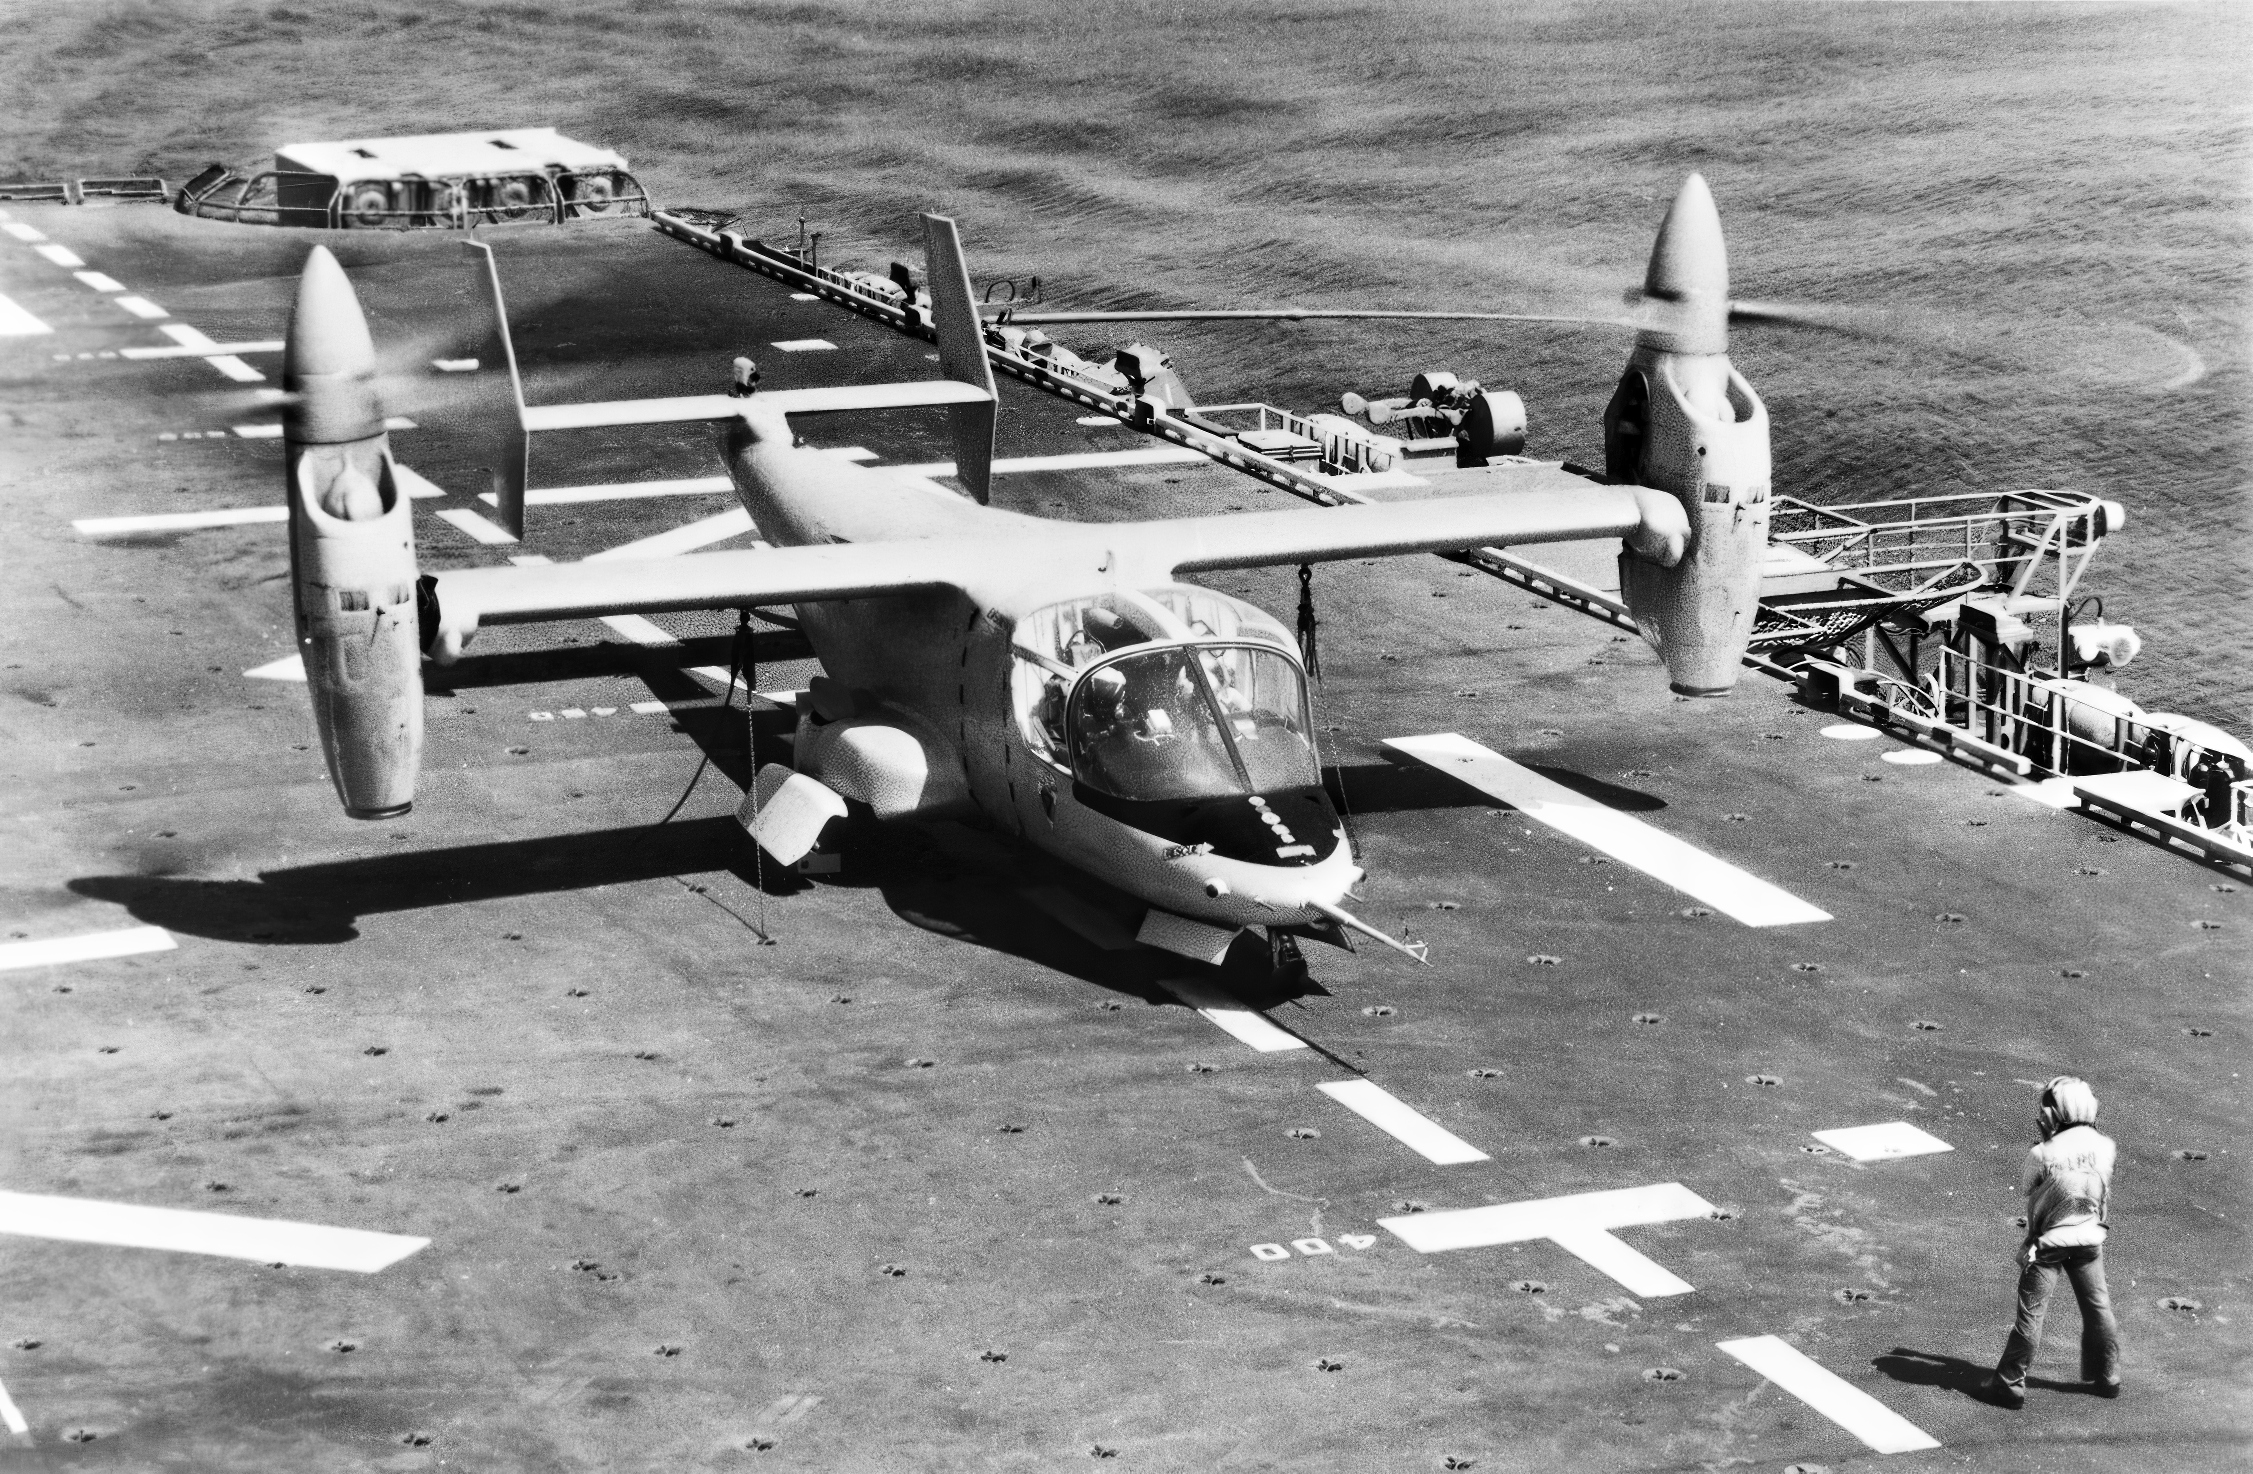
<point>726,406</point>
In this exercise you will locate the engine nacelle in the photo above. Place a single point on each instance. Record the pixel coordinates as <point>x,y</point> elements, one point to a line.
<point>1685,422</point>
<point>352,552</point>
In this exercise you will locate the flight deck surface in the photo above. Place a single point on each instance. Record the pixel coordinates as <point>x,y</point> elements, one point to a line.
<point>935,1180</point>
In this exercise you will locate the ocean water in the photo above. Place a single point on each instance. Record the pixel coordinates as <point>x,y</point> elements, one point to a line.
<point>2039,212</point>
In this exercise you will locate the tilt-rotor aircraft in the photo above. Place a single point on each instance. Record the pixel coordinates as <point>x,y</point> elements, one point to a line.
<point>1054,681</point>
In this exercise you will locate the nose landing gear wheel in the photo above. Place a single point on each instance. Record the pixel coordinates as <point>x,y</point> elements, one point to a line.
<point>513,201</point>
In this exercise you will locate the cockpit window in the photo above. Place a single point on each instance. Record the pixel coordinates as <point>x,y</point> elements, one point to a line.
<point>1192,721</point>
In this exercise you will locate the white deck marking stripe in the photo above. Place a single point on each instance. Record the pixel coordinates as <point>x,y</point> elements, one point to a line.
<point>554,496</point>
<point>11,1415</point>
<point>1580,1223</point>
<point>17,323</point>
<point>234,368</point>
<point>414,482</point>
<point>140,307</point>
<point>1084,460</point>
<point>463,520</point>
<point>1656,853</point>
<point>1614,1257</point>
<point>179,521</point>
<point>1882,1142</point>
<point>1232,1017</point>
<point>417,484</point>
<point>806,345</point>
<point>1841,1401</point>
<point>732,523</point>
<point>90,947</point>
<point>1394,1116</point>
<point>288,668</point>
<point>641,631</point>
<point>100,281</point>
<point>265,1240</point>
<point>62,256</point>
<point>22,232</point>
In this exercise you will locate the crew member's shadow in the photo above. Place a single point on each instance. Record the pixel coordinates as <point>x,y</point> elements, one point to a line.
<point>1931,1369</point>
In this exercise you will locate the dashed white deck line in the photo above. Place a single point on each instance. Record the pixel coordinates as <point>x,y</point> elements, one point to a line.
<point>559,496</point>
<point>1230,1016</point>
<point>11,1415</point>
<point>454,365</point>
<point>1911,757</point>
<point>1850,732</point>
<point>804,297</point>
<point>1882,1142</point>
<point>469,524</point>
<point>62,256</point>
<point>264,1240</point>
<point>99,281</point>
<point>89,947</point>
<point>1106,422</point>
<point>198,348</point>
<point>288,668</point>
<point>640,630</point>
<point>806,345</point>
<point>1581,1224</point>
<point>1403,1122</point>
<point>15,322</point>
<point>1878,1426</point>
<point>734,522</point>
<point>22,232</point>
<point>274,430</point>
<point>141,307</point>
<point>1660,855</point>
<point>1084,460</point>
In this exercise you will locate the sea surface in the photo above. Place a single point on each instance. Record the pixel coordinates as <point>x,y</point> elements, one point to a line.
<point>2036,216</point>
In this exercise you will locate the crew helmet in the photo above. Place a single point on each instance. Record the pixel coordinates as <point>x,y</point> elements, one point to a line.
<point>2068,1101</point>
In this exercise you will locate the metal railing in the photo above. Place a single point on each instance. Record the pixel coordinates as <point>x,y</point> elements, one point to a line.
<point>319,201</point>
<point>2035,724</point>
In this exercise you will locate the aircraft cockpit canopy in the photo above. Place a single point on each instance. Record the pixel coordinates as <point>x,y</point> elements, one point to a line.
<point>1173,693</point>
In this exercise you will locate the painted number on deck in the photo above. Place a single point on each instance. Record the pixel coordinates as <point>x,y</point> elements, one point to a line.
<point>1311,1247</point>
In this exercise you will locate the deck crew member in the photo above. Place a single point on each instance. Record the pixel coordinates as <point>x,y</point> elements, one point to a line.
<point>743,379</point>
<point>2068,1186</point>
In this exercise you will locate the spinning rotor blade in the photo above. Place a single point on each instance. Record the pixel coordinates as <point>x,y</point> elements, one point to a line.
<point>1305,314</point>
<point>2111,354</point>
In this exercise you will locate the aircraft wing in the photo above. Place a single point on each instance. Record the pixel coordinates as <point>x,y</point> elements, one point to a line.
<point>471,597</point>
<point>1652,521</point>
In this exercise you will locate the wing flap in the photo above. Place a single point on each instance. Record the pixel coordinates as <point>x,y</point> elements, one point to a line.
<point>598,413</point>
<point>1489,519</point>
<point>471,597</point>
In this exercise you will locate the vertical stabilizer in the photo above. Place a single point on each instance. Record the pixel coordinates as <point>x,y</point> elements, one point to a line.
<point>510,451</point>
<point>962,353</point>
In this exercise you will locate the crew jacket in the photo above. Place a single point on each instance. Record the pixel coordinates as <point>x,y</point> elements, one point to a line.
<point>2068,1187</point>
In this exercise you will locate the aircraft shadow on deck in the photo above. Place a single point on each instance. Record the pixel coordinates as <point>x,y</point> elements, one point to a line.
<point>946,879</point>
<point>1404,785</point>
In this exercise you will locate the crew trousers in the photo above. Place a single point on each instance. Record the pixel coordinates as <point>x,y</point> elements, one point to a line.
<point>2100,1333</point>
